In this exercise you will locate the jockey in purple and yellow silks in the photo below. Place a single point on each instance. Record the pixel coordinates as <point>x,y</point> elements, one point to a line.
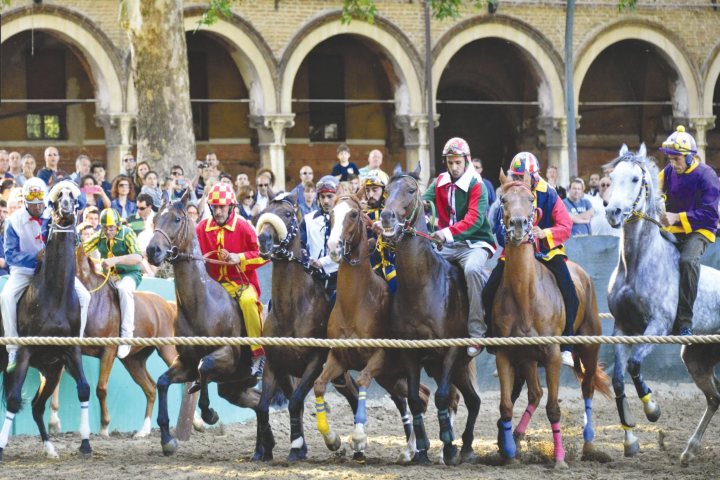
<point>382,257</point>
<point>691,190</point>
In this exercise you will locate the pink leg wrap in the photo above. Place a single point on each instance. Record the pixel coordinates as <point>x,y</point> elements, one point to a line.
<point>557,440</point>
<point>525,419</point>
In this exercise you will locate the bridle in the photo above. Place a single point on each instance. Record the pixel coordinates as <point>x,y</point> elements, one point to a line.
<point>361,222</point>
<point>636,214</point>
<point>527,232</point>
<point>408,226</point>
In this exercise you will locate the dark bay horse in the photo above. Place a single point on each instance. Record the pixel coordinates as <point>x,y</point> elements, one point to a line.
<point>204,309</point>
<point>362,310</point>
<point>528,304</point>
<point>154,317</point>
<point>431,302</point>
<point>643,295</point>
<point>50,307</point>
<point>300,309</point>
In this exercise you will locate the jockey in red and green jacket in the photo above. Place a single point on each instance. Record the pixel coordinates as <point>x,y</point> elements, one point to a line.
<point>553,227</point>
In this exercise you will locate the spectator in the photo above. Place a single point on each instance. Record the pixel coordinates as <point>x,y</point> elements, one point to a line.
<point>139,179</point>
<point>375,159</point>
<point>139,221</point>
<point>477,165</point>
<point>307,202</point>
<point>15,163</point>
<point>91,216</point>
<point>202,181</point>
<point>28,169</point>
<point>344,167</point>
<point>97,170</point>
<point>5,164</point>
<point>599,224</point>
<point>179,185</point>
<point>213,165</point>
<point>264,193</point>
<point>225,178</point>
<point>246,198</point>
<point>192,211</point>
<point>82,168</point>
<point>306,175</point>
<point>128,165</point>
<point>94,194</point>
<point>15,201</point>
<point>150,187</point>
<point>579,208</point>
<point>594,185</point>
<point>123,196</point>
<point>52,158</point>
<point>240,180</point>
<point>353,183</point>
<point>6,187</point>
<point>552,178</point>
<point>3,216</point>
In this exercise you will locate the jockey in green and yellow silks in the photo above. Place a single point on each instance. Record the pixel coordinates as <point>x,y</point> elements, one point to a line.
<point>382,257</point>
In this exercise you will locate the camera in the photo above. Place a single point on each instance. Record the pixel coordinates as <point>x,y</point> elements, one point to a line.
<point>202,165</point>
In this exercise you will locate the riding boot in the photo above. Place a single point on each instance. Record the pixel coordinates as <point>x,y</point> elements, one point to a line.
<point>488,297</point>
<point>558,266</point>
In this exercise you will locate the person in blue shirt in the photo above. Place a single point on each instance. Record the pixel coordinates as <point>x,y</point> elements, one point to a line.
<point>344,167</point>
<point>580,208</point>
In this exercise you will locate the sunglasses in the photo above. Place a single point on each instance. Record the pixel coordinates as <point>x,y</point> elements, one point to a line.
<point>142,209</point>
<point>249,197</point>
<point>605,184</point>
<point>123,185</point>
<point>37,195</point>
<point>175,174</point>
<point>128,159</point>
<point>263,184</point>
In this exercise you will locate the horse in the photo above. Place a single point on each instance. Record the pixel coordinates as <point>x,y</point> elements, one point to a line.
<point>430,303</point>
<point>204,309</point>
<point>50,307</point>
<point>362,310</point>
<point>294,289</point>
<point>154,317</point>
<point>643,294</point>
<point>529,304</point>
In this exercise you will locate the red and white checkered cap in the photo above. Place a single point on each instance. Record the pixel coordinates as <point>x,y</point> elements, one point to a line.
<point>221,194</point>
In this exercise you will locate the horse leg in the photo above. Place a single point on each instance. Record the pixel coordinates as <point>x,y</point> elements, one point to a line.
<point>332,369</point>
<point>398,394</point>
<point>211,368</point>
<point>106,363</point>
<point>442,403</point>
<point>74,365</point>
<point>265,441</point>
<point>50,379</point>
<point>372,368</point>
<point>553,364</point>
<point>589,358</point>
<point>177,373</point>
<point>639,352</point>
<point>54,424</point>
<point>412,367</point>
<point>465,381</point>
<point>535,393</point>
<point>506,375</point>
<point>137,368</point>
<point>700,361</point>
<point>631,445</point>
<point>12,385</point>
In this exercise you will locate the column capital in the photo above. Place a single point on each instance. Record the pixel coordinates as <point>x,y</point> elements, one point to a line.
<point>704,123</point>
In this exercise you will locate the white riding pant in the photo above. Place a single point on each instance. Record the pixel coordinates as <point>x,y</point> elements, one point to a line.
<point>126,291</point>
<point>13,290</point>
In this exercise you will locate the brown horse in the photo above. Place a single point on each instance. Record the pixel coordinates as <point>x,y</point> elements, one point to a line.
<point>204,309</point>
<point>431,303</point>
<point>294,289</point>
<point>528,304</point>
<point>362,310</point>
<point>154,317</point>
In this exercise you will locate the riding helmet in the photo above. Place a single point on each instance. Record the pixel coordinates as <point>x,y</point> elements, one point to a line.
<point>221,194</point>
<point>109,217</point>
<point>34,191</point>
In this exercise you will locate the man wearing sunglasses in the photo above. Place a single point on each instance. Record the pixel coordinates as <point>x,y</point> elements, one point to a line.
<point>691,190</point>
<point>23,245</point>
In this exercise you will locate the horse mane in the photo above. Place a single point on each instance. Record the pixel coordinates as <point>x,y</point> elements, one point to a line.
<point>649,165</point>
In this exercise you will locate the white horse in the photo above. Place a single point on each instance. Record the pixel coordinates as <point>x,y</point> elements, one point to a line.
<point>643,294</point>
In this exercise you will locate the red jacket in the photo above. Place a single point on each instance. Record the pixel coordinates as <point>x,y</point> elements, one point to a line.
<point>236,236</point>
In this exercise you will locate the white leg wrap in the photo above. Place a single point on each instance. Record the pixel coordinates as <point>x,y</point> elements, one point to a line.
<point>84,420</point>
<point>50,450</point>
<point>5,432</point>
<point>297,443</point>
<point>145,430</point>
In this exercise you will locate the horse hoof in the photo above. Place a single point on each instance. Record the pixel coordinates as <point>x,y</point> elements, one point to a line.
<point>359,457</point>
<point>104,432</point>
<point>421,458</point>
<point>170,447</point>
<point>85,449</point>
<point>405,457</point>
<point>332,442</point>
<point>195,387</point>
<point>632,449</point>
<point>359,442</point>
<point>686,458</point>
<point>54,428</point>
<point>210,416</point>
<point>297,454</point>
<point>653,412</point>
<point>561,465</point>
<point>450,455</point>
<point>509,460</point>
<point>468,456</point>
<point>519,437</point>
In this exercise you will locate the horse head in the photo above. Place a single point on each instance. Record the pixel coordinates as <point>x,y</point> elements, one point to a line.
<point>403,205</point>
<point>63,199</point>
<point>278,224</point>
<point>173,232</point>
<point>518,205</point>
<point>634,180</point>
<point>347,227</point>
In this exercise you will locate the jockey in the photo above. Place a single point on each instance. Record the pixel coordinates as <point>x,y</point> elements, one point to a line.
<point>691,191</point>
<point>460,198</point>
<point>23,245</point>
<point>121,254</point>
<point>382,257</point>
<point>315,232</point>
<point>233,240</point>
<point>552,228</point>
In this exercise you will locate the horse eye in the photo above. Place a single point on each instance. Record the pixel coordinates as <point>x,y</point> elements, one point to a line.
<point>288,214</point>
<point>354,214</point>
<point>412,191</point>
<point>177,219</point>
<point>636,179</point>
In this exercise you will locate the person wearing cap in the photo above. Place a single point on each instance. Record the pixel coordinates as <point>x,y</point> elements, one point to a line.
<point>120,254</point>
<point>234,240</point>
<point>24,243</point>
<point>691,191</point>
<point>382,258</point>
<point>315,232</point>
<point>552,228</point>
<point>460,200</point>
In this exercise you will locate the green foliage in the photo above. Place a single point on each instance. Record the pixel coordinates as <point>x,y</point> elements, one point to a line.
<point>441,9</point>
<point>362,9</point>
<point>629,5</point>
<point>216,8</point>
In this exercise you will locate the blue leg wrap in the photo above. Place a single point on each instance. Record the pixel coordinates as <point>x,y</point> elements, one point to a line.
<point>588,431</point>
<point>361,414</point>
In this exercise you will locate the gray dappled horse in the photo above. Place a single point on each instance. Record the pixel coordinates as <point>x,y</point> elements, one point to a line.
<point>643,293</point>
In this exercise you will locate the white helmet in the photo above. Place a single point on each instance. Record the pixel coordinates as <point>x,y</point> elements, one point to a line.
<point>34,191</point>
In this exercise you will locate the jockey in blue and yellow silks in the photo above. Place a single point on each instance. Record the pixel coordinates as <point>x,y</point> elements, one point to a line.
<point>382,257</point>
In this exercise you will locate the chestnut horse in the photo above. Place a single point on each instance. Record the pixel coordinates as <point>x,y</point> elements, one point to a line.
<point>300,309</point>
<point>362,310</point>
<point>430,303</point>
<point>529,304</point>
<point>204,309</point>
<point>154,317</point>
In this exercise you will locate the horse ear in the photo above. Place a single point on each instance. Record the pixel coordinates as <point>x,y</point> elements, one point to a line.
<point>623,150</point>
<point>397,170</point>
<point>503,177</point>
<point>293,197</point>
<point>185,197</point>
<point>417,169</point>
<point>643,151</point>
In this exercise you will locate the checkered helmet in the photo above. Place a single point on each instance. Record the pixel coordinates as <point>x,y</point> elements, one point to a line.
<point>221,194</point>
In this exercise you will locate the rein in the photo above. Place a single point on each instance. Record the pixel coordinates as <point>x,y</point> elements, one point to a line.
<point>531,217</point>
<point>408,226</point>
<point>636,214</point>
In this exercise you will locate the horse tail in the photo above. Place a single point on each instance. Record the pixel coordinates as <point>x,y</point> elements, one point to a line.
<point>601,381</point>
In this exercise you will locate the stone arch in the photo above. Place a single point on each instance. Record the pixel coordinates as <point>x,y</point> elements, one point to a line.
<point>686,95</point>
<point>252,56</point>
<point>84,35</point>
<point>392,41</point>
<point>711,70</point>
<point>540,53</point>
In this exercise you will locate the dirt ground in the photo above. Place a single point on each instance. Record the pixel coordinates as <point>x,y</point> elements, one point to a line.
<point>223,451</point>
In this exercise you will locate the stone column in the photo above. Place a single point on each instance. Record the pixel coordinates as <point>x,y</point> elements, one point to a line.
<point>271,141</point>
<point>700,126</point>
<point>118,138</point>
<point>415,131</point>
<point>556,142</point>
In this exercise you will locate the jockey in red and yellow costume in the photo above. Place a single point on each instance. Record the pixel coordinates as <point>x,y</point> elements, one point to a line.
<point>233,240</point>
